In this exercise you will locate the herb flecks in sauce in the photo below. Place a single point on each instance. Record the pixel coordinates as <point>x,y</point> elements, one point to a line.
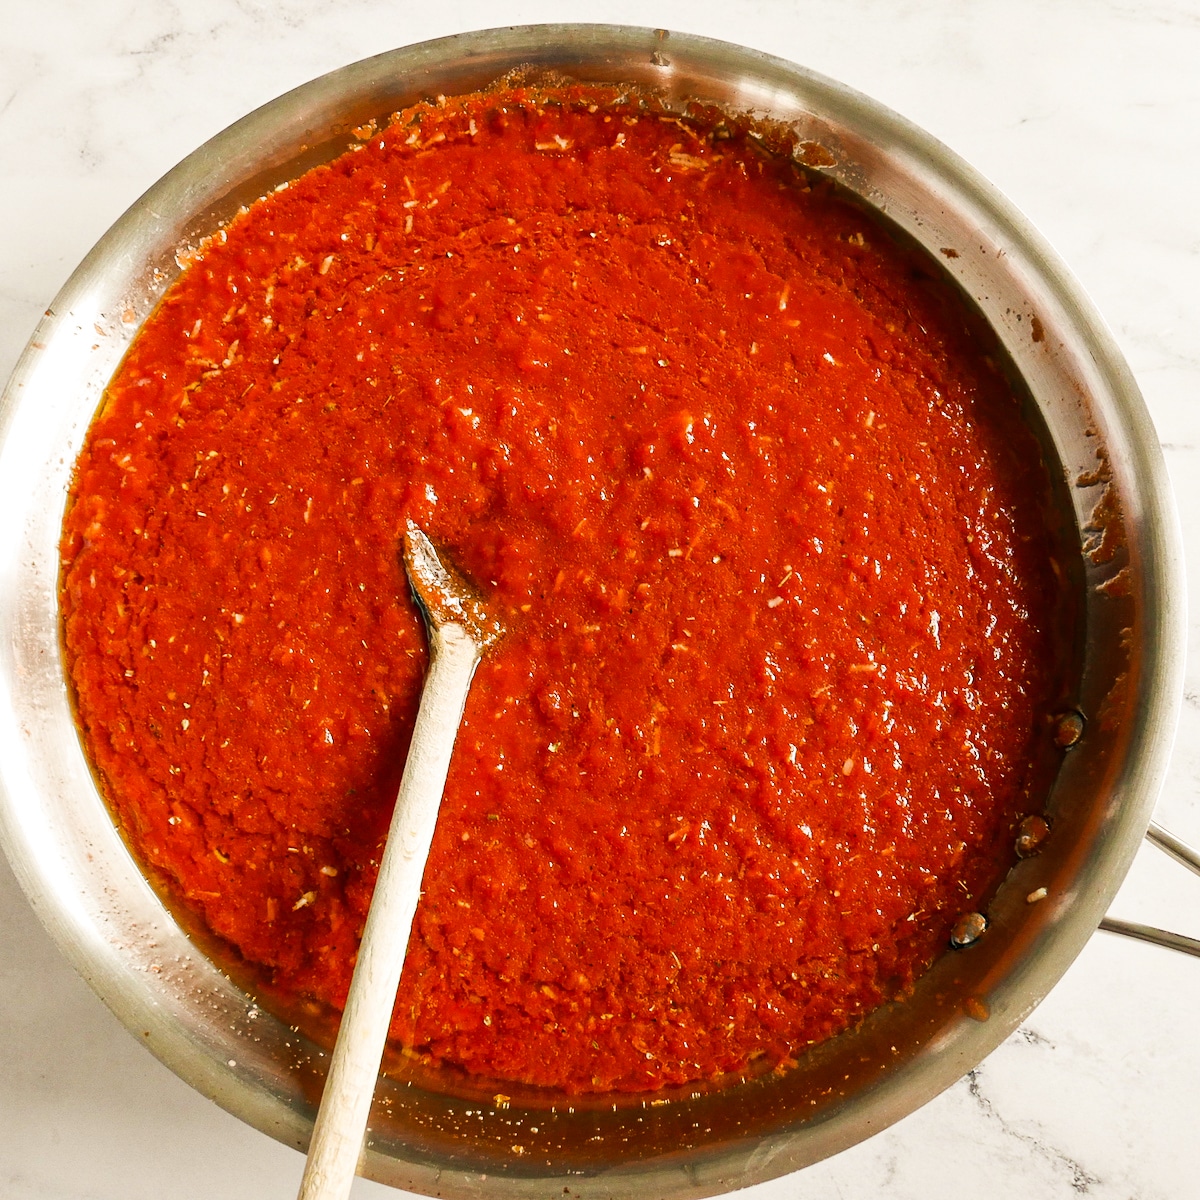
<point>754,504</point>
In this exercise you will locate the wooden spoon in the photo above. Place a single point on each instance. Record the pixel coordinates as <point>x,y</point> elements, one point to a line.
<point>459,631</point>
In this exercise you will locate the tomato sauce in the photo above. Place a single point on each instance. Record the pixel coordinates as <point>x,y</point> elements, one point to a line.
<point>744,480</point>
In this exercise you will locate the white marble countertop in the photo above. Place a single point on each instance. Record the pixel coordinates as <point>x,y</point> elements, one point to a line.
<point>1086,113</point>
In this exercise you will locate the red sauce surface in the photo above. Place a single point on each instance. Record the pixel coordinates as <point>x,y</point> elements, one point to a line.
<point>758,511</point>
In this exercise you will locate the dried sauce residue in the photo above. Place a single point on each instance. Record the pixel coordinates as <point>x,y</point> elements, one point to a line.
<point>744,486</point>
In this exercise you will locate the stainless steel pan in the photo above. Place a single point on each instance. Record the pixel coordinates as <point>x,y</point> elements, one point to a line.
<point>434,1134</point>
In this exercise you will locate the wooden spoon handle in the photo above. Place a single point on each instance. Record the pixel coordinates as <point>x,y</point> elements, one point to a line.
<point>338,1134</point>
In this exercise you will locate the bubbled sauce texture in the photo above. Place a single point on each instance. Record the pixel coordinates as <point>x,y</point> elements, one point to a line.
<point>746,487</point>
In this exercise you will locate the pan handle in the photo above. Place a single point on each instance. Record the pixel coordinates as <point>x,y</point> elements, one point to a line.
<point>1181,853</point>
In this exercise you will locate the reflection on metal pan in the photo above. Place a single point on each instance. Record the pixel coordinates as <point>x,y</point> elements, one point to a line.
<point>435,1134</point>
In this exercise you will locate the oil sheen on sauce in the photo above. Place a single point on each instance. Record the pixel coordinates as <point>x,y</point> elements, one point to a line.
<point>747,487</point>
